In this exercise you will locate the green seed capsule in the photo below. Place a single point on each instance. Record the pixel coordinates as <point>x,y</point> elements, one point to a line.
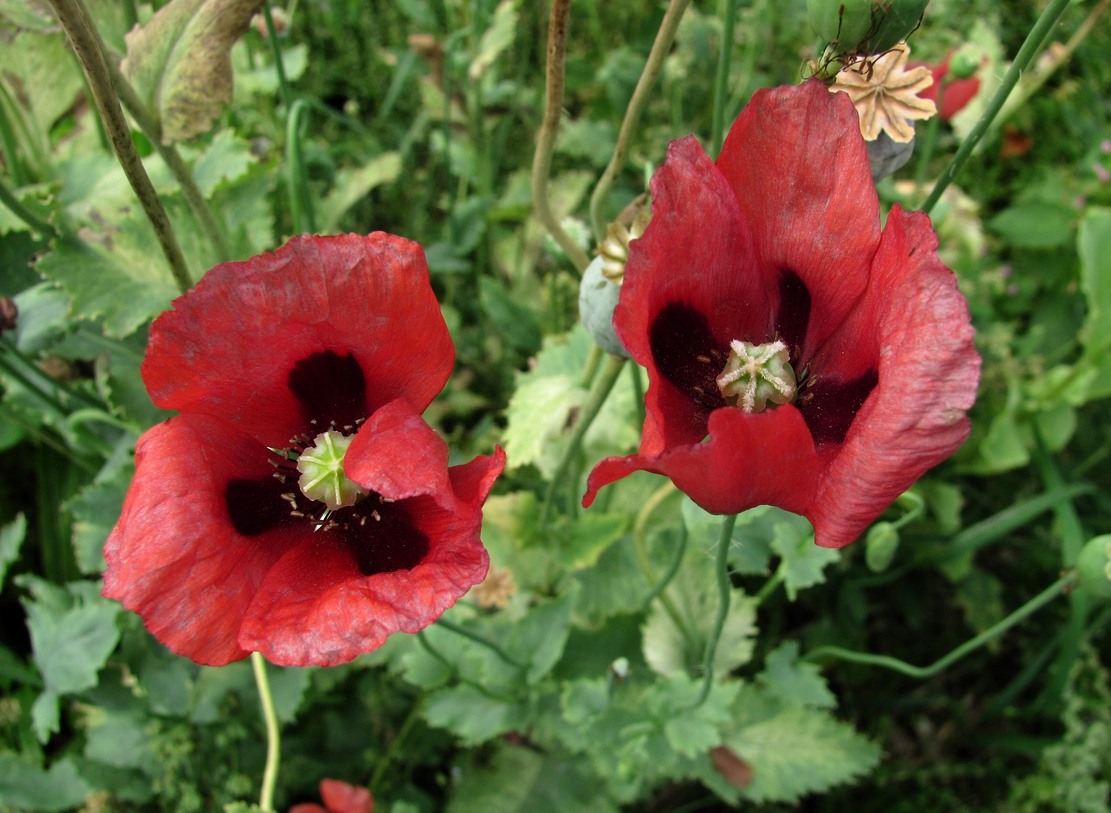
<point>864,26</point>
<point>1093,567</point>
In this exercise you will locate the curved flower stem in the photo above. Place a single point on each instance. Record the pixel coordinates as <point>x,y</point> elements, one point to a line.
<point>1023,59</point>
<point>549,129</point>
<point>770,586</point>
<point>721,85</point>
<point>652,67</point>
<point>486,642</point>
<point>8,198</point>
<point>1062,585</point>
<point>273,734</point>
<point>725,592</point>
<point>598,395</point>
<point>82,36</point>
<point>275,49</point>
<point>212,226</point>
<point>640,527</point>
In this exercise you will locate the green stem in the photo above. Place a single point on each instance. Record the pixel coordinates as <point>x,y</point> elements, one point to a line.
<point>770,585</point>
<point>640,546</point>
<point>273,734</point>
<point>296,179</point>
<point>1043,598</point>
<point>212,226</point>
<point>549,129</point>
<point>1073,537</point>
<point>1023,60</point>
<point>590,410</point>
<point>37,224</point>
<point>721,85</point>
<point>86,44</point>
<point>725,591</point>
<point>664,37</point>
<point>275,49</point>
<point>391,752</point>
<point>486,642</point>
<point>929,140</point>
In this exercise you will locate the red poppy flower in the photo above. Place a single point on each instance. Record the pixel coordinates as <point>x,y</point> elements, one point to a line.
<point>773,260</point>
<point>299,505</point>
<point>338,797</point>
<point>957,92</point>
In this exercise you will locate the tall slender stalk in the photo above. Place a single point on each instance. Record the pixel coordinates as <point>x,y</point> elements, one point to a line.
<point>549,129</point>
<point>721,82</point>
<point>1023,59</point>
<point>273,734</point>
<point>82,36</point>
<point>664,37</point>
<point>725,593</point>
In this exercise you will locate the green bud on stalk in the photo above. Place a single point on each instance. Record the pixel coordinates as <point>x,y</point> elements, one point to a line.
<point>1093,567</point>
<point>880,546</point>
<point>864,27</point>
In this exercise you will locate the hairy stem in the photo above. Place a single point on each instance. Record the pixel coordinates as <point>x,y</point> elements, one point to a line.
<point>273,734</point>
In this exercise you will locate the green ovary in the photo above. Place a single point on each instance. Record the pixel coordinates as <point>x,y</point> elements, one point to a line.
<point>322,478</point>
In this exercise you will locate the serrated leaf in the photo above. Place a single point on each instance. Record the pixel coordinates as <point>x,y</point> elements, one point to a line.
<point>803,562</point>
<point>24,786</point>
<point>750,545</point>
<point>181,65</point>
<point>95,509</point>
<point>353,185</point>
<point>520,780</point>
<point>472,715</point>
<point>798,751</point>
<point>71,638</point>
<point>539,636</point>
<point>580,542</point>
<point>226,159</point>
<point>795,682</point>
<point>11,539</point>
<point>678,649</point>
<point>495,39</point>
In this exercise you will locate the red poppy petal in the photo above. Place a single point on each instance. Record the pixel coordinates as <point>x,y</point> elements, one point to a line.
<point>928,374</point>
<point>749,459</point>
<point>340,797</point>
<point>316,607</point>
<point>472,481</point>
<point>174,557</point>
<point>230,346</point>
<point>957,94</point>
<point>396,454</point>
<point>799,167</point>
<point>695,253</point>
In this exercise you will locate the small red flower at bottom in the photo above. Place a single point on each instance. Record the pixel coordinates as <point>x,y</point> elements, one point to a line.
<point>299,505</point>
<point>338,797</point>
<point>796,355</point>
<point>955,94</point>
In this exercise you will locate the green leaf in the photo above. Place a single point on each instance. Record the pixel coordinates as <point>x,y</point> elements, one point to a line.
<point>180,62</point>
<point>472,715</point>
<point>539,636</point>
<point>24,786</point>
<point>495,39</point>
<point>11,539</point>
<point>226,159</point>
<point>520,780</point>
<point>72,636</point>
<point>1094,246</point>
<point>796,750</point>
<point>511,320</point>
<point>95,510</point>
<point>803,561</point>
<point>354,185</point>
<point>672,649</point>
<point>750,546</point>
<point>582,541</point>
<point>1035,224</point>
<point>288,685</point>
<point>788,679</point>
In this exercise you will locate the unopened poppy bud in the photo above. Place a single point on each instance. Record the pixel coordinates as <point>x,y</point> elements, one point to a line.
<point>597,299</point>
<point>322,477</point>
<point>880,546</point>
<point>864,26</point>
<point>1093,567</point>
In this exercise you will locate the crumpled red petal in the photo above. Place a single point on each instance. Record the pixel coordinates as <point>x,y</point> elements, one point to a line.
<point>928,374</point>
<point>315,606</point>
<point>174,557</point>
<point>338,797</point>
<point>228,347</point>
